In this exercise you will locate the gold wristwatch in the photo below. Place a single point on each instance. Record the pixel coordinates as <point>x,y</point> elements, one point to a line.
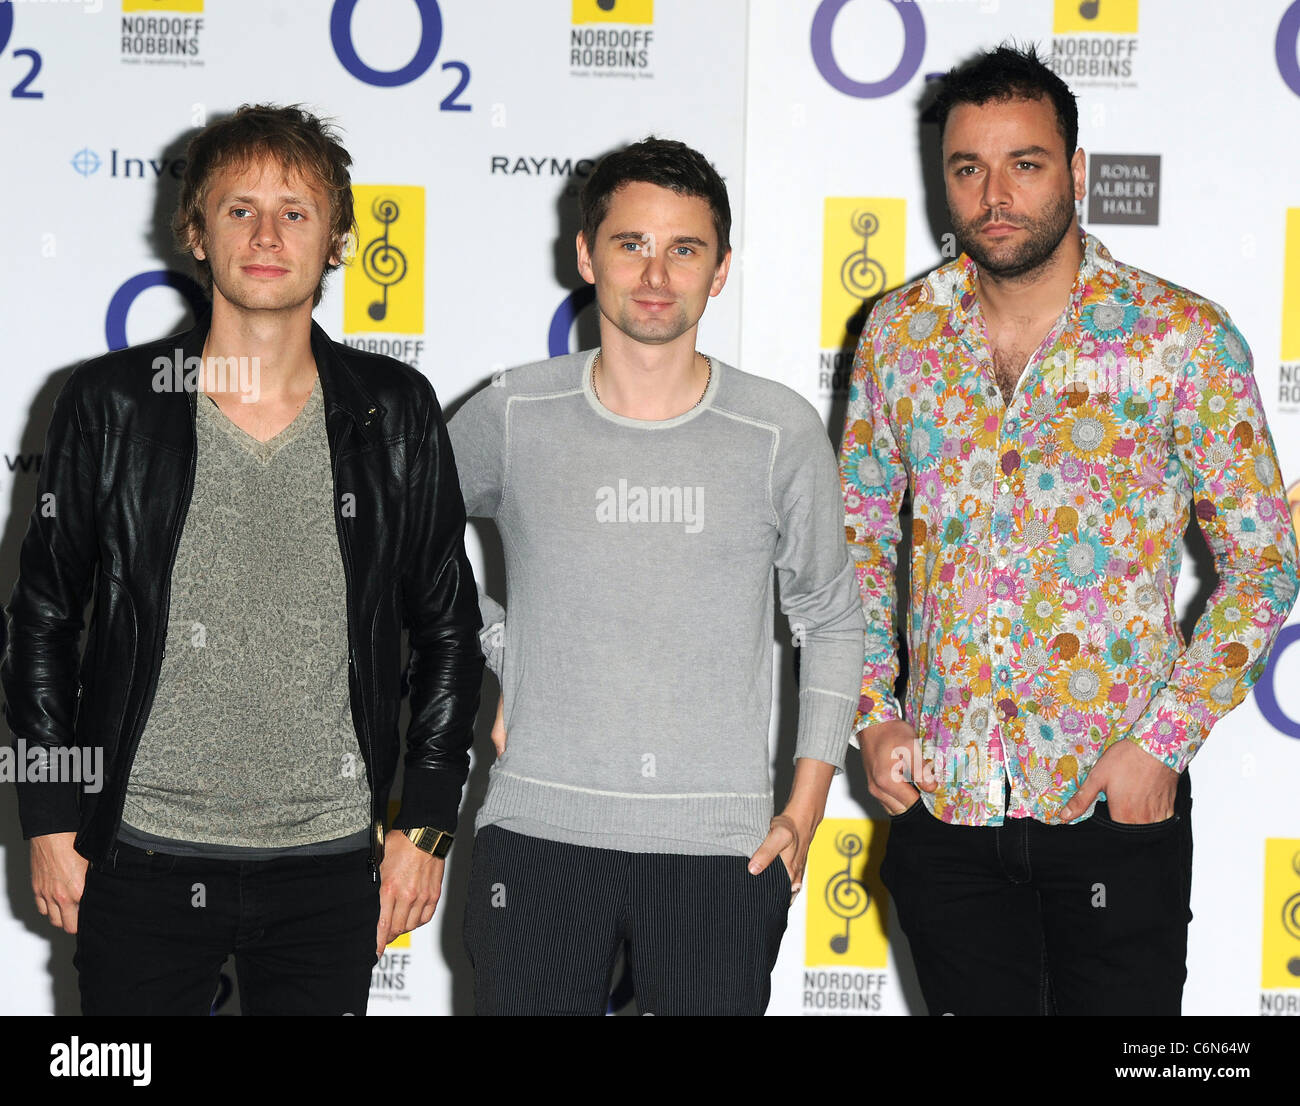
<point>435,842</point>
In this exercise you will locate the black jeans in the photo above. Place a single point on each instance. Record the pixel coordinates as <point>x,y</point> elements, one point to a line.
<point>544,922</point>
<point>154,930</point>
<point>1027,918</point>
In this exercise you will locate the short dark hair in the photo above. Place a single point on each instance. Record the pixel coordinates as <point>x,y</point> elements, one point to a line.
<point>304,145</point>
<point>662,161</point>
<point>1008,73</point>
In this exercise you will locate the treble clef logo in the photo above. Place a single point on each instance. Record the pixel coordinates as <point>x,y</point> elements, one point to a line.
<point>1291,918</point>
<point>848,898</point>
<point>383,262</point>
<point>862,275</point>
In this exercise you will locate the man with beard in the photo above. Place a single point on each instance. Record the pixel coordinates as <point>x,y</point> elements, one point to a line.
<point>1057,416</point>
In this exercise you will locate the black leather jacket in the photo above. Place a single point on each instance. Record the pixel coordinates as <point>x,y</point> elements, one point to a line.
<point>115,486</point>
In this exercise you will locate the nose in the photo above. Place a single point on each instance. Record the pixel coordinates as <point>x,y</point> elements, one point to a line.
<point>997,192</point>
<point>266,232</point>
<point>654,272</point>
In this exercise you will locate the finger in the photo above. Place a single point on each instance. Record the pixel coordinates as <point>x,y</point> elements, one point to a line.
<point>1082,799</point>
<point>899,780</point>
<point>793,868</point>
<point>895,797</point>
<point>408,919</point>
<point>778,837</point>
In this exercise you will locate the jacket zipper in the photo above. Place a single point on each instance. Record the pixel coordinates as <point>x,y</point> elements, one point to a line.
<point>356,674</point>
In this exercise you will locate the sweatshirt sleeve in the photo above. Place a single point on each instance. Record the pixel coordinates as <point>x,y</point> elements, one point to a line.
<point>819,594</point>
<point>479,441</point>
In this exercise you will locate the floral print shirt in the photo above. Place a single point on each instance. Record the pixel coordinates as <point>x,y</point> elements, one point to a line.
<point>1047,532</point>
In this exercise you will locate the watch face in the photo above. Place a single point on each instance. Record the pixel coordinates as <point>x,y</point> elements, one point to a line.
<point>432,841</point>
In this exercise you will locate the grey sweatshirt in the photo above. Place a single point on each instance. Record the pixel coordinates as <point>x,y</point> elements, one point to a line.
<point>636,663</point>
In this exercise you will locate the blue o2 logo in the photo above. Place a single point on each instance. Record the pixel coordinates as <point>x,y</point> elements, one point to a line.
<point>20,91</point>
<point>557,337</point>
<point>823,26</point>
<point>1265,690</point>
<point>1288,30</point>
<point>426,51</point>
<point>125,296</point>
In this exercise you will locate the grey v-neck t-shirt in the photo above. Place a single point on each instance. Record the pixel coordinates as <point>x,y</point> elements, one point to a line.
<point>250,744</point>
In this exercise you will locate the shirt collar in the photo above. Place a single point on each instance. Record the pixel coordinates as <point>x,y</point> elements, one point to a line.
<point>1097,268</point>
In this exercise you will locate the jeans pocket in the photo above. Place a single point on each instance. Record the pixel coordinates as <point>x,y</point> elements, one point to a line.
<point>1101,814</point>
<point>128,862</point>
<point>784,884</point>
<point>909,813</point>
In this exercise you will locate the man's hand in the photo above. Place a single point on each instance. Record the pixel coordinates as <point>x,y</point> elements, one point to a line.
<point>791,832</point>
<point>1139,789</point>
<point>499,727</point>
<point>410,882</point>
<point>58,878</point>
<point>788,840</point>
<point>891,755</point>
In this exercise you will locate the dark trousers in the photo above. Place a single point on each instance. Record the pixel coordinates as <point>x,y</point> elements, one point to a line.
<point>1027,918</point>
<point>545,920</point>
<point>154,930</point>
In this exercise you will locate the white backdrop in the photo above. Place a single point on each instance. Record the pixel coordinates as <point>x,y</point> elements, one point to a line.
<point>482,117</point>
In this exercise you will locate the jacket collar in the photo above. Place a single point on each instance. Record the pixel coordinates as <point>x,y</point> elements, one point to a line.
<point>341,388</point>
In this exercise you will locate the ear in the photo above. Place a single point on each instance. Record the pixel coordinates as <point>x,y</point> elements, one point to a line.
<point>585,269</point>
<point>1079,171</point>
<point>194,244</point>
<point>344,249</point>
<point>720,276</point>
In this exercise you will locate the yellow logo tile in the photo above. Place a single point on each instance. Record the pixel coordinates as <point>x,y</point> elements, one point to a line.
<point>1115,17</point>
<point>1281,943</point>
<point>613,11</point>
<point>846,902</point>
<point>383,287</point>
<point>1291,288</point>
<point>863,255</point>
<point>162,5</point>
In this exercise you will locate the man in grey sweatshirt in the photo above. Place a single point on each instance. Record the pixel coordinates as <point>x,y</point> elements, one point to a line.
<point>644,492</point>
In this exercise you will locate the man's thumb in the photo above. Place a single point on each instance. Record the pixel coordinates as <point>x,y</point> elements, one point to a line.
<point>1082,799</point>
